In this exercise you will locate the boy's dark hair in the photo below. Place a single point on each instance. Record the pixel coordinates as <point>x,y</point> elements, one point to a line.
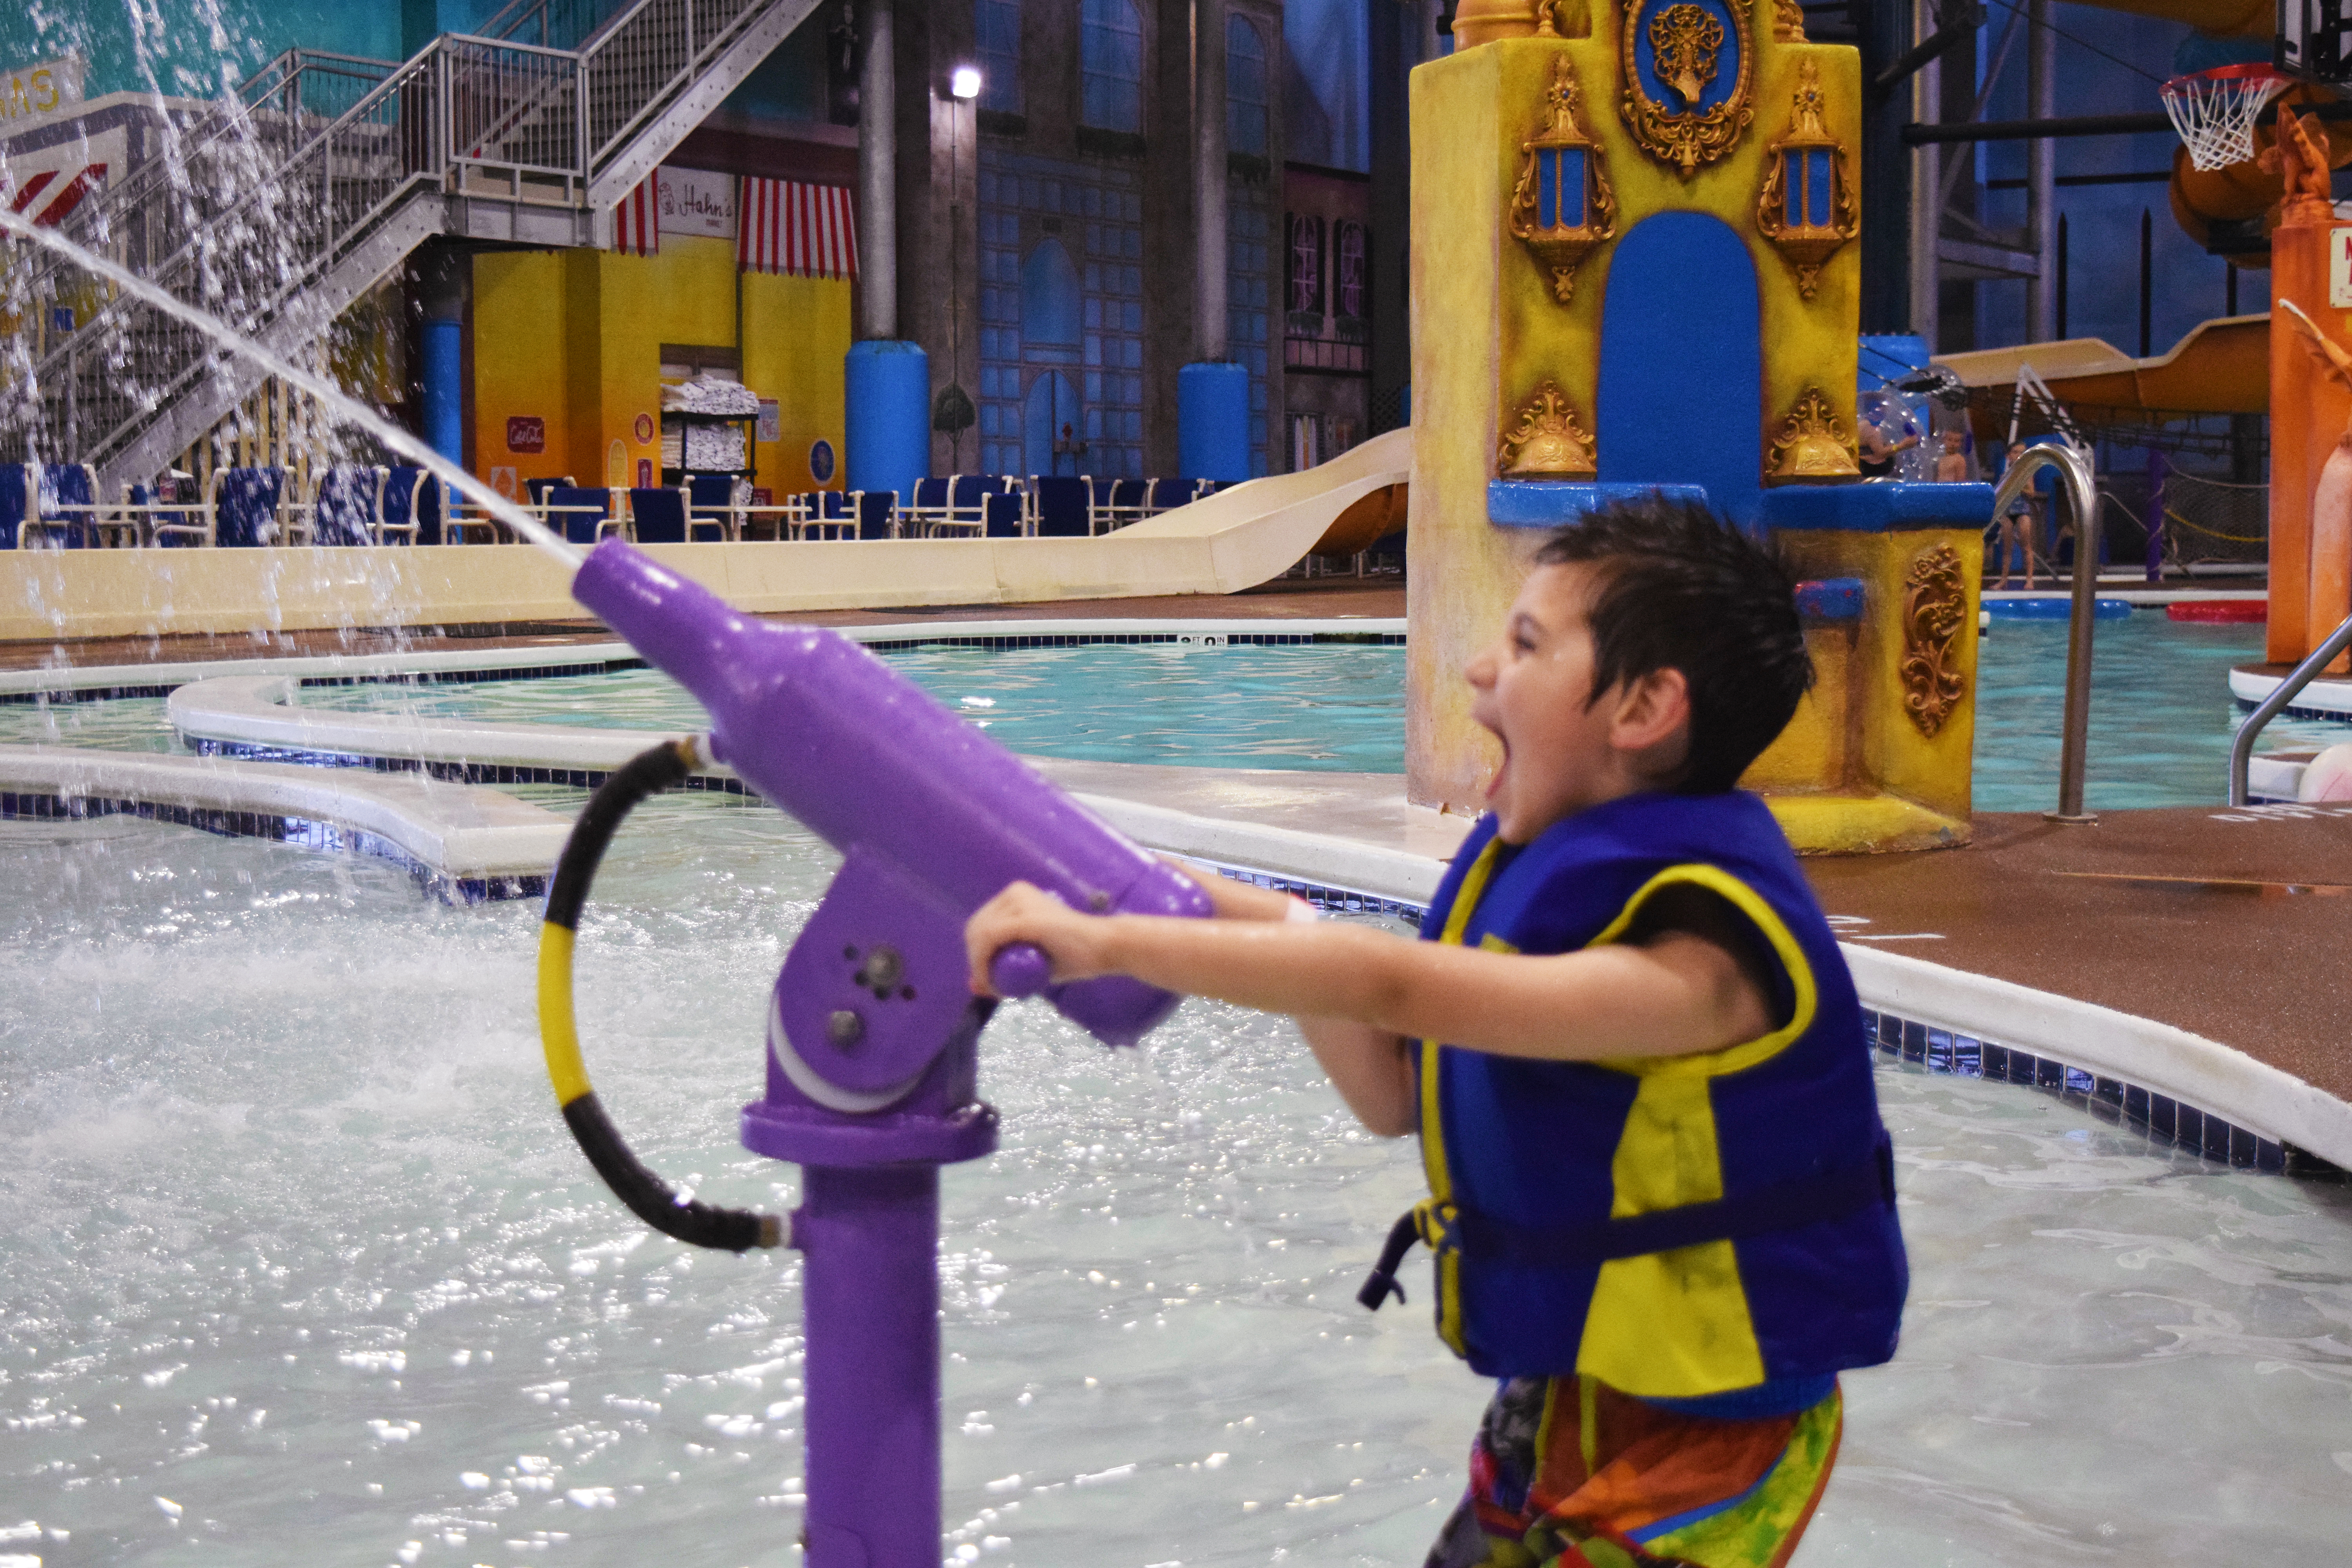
<point>1679,588</point>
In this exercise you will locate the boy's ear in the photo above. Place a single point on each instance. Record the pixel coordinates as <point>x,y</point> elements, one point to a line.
<point>1651,710</point>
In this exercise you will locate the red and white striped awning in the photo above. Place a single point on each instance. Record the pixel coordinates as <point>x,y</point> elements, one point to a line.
<point>784,226</point>
<point>636,222</point>
<point>49,195</point>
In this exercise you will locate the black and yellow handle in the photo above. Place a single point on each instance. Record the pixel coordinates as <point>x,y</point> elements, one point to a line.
<point>648,1197</point>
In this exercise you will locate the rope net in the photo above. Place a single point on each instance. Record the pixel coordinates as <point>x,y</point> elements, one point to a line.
<point>2214,522</point>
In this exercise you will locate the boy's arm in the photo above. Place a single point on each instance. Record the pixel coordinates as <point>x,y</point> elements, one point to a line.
<point>1674,996</point>
<point>1371,1068</point>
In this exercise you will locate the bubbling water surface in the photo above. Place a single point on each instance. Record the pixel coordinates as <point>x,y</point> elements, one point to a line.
<point>296,1250</point>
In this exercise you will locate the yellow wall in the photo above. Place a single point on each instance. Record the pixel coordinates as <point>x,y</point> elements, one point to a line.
<point>796,335</point>
<point>574,338</point>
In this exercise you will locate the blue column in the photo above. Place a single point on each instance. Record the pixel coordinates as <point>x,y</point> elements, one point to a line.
<point>443,382</point>
<point>1213,421</point>
<point>890,432</point>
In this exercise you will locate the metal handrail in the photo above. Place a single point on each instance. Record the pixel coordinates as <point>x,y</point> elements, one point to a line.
<point>2242,747</point>
<point>327,181</point>
<point>2082,497</point>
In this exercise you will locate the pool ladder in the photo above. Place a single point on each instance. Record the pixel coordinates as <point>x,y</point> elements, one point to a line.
<point>2241,748</point>
<point>2082,499</point>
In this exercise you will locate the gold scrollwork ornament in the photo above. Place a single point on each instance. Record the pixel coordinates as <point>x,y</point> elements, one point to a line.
<point>1812,444</point>
<point>1560,173</point>
<point>1549,444</point>
<point>1809,219</point>
<point>1686,43</point>
<point>1787,22</point>
<point>1935,610</point>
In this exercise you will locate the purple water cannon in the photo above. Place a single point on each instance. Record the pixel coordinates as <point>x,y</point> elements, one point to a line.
<point>872,1029</point>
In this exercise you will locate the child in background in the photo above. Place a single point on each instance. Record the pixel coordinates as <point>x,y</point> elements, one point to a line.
<point>1952,465</point>
<point>2020,525</point>
<point>1662,1206</point>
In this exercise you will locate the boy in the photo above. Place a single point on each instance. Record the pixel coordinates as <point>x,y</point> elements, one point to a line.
<point>1662,1207</point>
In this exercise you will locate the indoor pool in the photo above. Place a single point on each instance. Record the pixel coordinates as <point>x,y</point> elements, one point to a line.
<point>2161,714</point>
<point>294,1247</point>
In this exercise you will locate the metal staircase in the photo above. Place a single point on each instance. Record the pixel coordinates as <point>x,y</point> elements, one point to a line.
<point>279,211</point>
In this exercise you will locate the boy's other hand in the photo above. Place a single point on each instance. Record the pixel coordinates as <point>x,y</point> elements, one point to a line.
<point>1072,943</point>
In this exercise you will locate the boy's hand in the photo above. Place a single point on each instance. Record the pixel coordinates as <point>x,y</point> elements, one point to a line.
<point>1072,943</point>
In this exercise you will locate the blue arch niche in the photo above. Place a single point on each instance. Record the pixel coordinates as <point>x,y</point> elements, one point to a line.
<point>1050,304</point>
<point>1051,406</point>
<point>1682,366</point>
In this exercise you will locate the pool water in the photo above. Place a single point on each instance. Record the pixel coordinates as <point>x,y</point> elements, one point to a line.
<point>294,1247</point>
<point>2161,714</point>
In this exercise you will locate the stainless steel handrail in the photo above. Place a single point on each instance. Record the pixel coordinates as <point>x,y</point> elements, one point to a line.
<point>2082,497</point>
<point>2241,748</point>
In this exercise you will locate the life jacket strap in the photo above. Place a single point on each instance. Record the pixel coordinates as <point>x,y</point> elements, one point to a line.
<point>1428,1221</point>
<point>1784,1205</point>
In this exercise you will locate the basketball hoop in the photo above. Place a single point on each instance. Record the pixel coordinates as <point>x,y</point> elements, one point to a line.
<point>2215,110</point>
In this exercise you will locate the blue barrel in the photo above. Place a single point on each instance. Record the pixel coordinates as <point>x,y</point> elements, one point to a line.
<point>889,445</point>
<point>1213,421</point>
<point>444,385</point>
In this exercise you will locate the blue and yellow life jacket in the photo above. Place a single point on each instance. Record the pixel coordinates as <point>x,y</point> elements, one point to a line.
<point>1677,1226</point>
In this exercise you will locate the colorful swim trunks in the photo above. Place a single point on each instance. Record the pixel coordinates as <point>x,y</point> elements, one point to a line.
<point>1566,1472</point>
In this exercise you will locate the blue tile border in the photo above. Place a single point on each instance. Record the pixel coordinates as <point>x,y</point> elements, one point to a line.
<point>306,833</point>
<point>447,772</point>
<point>2168,1124</point>
<point>1325,896</point>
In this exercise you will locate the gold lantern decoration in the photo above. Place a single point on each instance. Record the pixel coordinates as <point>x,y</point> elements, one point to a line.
<point>1806,207</point>
<point>1562,207</point>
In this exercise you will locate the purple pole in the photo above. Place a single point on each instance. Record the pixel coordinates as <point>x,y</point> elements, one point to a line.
<point>873,1034</point>
<point>2155,515</point>
<point>870,1305</point>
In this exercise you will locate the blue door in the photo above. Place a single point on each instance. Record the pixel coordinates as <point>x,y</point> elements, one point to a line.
<point>1682,368</point>
<point>1049,426</point>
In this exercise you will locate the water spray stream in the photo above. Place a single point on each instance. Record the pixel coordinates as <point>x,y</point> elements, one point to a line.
<point>344,406</point>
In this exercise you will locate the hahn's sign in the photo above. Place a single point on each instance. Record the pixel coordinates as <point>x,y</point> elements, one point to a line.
<point>695,201</point>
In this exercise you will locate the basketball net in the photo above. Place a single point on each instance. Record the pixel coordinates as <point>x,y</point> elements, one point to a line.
<point>2215,110</point>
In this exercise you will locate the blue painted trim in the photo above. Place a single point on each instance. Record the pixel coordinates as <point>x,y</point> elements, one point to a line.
<point>1831,599</point>
<point>1555,503</point>
<point>1879,506</point>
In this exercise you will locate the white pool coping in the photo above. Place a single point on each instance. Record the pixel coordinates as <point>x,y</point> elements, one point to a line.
<point>2331,698</point>
<point>1388,850</point>
<point>465,833</point>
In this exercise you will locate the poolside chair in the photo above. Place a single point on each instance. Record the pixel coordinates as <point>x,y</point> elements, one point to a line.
<point>247,505</point>
<point>63,514</point>
<point>585,527</point>
<point>197,524</point>
<point>344,505</point>
<point>711,502</point>
<point>966,509</point>
<point>1130,502</point>
<point>535,491</point>
<point>1004,512</point>
<point>409,503</point>
<point>931,506</point>
<point>657,516</point>
<point>1060,506</point>
<point>877,513</point>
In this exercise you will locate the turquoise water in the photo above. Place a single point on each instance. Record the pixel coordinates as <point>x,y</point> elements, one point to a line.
<point>2161,715</point>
